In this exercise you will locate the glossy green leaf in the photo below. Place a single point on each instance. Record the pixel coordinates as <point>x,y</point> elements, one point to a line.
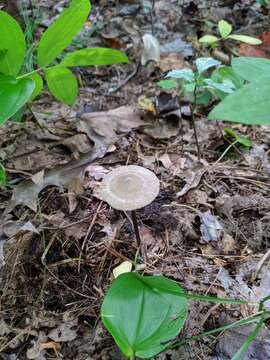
<point>13,95</point>
<point>94,56</point>
<point>12,45</point>
<point>246,39</point>
<point>62,84</point>
<point>248,105</point>
<point>143,313</point>
<point>186,74</point>
<point>60,34</point>
<point>251,68</point>
<point>208,39</point>
<point>38,85</point>
<point>205,63</point>
<point>224,28</point>
<point>167,84</point>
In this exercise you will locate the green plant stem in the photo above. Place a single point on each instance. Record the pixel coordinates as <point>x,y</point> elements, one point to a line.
<point>249,340</point>
<point>226,151</point>
<point>28,74</point>
<point>241,322</point>
<point>193,107</point>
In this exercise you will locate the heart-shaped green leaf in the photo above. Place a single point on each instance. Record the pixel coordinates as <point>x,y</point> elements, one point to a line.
<point>12,45</point>
<point>143,312</point>
<point>13,95</point>
<point>62,84</point>
<point>94,57</point>
<point>60,34</point>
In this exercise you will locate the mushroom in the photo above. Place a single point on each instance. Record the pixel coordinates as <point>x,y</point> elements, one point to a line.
<point>129,188</point>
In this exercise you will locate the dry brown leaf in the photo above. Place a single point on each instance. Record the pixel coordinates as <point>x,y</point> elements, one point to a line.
<point>103,129</point>
<point>171,61</point>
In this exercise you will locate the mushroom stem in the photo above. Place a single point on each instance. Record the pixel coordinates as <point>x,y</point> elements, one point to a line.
<point>135,227</point>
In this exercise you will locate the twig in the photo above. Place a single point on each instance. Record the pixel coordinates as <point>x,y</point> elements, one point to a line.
<point>127,79</point>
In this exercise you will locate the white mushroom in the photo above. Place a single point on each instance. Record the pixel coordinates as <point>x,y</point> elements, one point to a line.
<point>129,187</point>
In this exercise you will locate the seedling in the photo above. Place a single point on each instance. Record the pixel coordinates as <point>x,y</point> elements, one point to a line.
<point>145,313</point>
<point>235,139</point>
<point>129,188</point>
<point>18,88</point>
<point>225,31</point>
<point>194,82</point>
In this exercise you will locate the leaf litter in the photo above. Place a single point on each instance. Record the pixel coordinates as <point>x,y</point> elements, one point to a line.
<point>208,228</point>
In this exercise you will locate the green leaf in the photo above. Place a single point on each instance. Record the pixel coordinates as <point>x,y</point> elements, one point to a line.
<point>13,95</point>
<point>226,86</point>
<point>249,340</point>
<point>62,84</point>
<point>38,85</point>
<point>248,105</point>
<point>12,45</point>
<point>240,139</point>
<point>94,57</point>
<point>224,28</point>
<point>186,74</point>
<point>208,39</point>
<point>143,313</point>
<point>246,39</point>
<point>205,63</point>
<point>203,98</point>
<point>167,84</point>
<point>225,74</point>
<point>60,34</point>
<point>3,176</point>
<point>251,68</point>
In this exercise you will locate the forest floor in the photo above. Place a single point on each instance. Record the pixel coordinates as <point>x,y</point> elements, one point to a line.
<point>59,244</point>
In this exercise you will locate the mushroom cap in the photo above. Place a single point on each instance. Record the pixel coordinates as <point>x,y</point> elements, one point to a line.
<point>129,187</point>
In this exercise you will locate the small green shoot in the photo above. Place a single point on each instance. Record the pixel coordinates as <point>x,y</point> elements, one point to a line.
<point>3,176</point>
<point>225,32</point>
<point>237,139</point>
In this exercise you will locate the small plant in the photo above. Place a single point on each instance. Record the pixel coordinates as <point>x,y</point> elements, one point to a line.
<point>199,86</point>
<point>225,31</point>
<point>145,313</point>
<point>17,88</point>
